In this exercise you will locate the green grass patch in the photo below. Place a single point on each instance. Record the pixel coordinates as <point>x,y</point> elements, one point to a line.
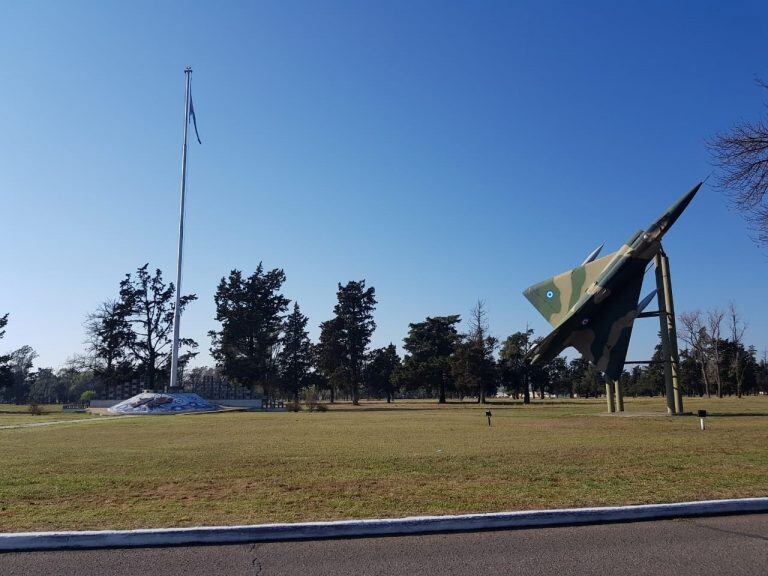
<point>376,460</point>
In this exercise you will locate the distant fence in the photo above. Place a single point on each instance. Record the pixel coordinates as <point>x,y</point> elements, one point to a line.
<point>75,407</point>
<point>212,387</point>
<point>121,391</point>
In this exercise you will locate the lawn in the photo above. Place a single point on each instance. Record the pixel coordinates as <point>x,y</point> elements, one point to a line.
<point>375,461</point>
<point>13,415</point>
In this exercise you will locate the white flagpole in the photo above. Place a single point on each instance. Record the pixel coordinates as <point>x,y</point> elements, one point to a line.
<point>176,312</point>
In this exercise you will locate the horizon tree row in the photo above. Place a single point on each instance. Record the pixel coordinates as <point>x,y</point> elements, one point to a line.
<point>263,346</point>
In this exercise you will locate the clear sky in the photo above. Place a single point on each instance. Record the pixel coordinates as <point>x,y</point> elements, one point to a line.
<point>444,151</point>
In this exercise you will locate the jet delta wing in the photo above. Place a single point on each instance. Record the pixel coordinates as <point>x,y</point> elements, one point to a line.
<point>593,307</point>
<point>599,332</point>
<point>604,340</point>
<point>554,298</point>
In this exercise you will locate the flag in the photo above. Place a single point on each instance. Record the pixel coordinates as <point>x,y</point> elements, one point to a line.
<point>193,118</point>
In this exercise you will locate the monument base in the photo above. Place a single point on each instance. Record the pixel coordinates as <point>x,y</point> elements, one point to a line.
<point>151,403</point>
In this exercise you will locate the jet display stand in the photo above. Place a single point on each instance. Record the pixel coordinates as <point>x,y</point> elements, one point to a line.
<point>670,354</point>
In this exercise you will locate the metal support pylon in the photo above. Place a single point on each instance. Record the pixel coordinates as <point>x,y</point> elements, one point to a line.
<point>619,396</point>
<point>609,395</point>
<point>667,329</point>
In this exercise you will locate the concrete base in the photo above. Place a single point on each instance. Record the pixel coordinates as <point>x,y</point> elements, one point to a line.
<point>154,403</point>
<point>250,404</point>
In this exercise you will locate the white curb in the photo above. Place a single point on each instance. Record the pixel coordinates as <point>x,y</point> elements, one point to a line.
<point>28,541</point>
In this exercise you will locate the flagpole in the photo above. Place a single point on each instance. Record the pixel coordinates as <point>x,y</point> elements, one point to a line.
<point>176,312</point>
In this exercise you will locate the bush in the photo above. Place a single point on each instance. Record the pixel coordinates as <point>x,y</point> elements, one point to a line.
<point>35,409</point>
<point>312,400</point>
<point>293,407</point>
<point>87,396</point>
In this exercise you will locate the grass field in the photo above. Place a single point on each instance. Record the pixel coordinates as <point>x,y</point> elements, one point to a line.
<point>374,461</point>
<point>12,415</point>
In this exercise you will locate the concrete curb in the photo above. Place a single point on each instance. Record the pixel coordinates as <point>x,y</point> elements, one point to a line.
<point>30,541</point>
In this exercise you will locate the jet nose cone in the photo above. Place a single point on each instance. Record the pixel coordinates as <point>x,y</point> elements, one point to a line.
<point>677,208</point>
<point>670,216</point>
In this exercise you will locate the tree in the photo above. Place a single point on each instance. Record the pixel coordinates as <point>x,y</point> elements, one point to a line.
<point>715,321</point>
<point>694,334</point>
<point>486,346</point>
<point>110,340</point>
<point>515,368</point>
<point>354,311</point>
<point>20,370</point>
<point>739,360</point>
<point>586,379</point>
<point>649,381</point>
<point>77,376</point>
<point>761,374</point>
<point>557,377</point>
<point>472,363</point>
<point>251,311</point>
<point>474,373</point>
<point>295,357</point>
<point>430,345</point>
<point>5,372</point>
<point>741,156</point>
<point>329,356</point>
<point>690,374</point>
<point>379,372</point>
<point>44,388</point>
<point>147,306</point>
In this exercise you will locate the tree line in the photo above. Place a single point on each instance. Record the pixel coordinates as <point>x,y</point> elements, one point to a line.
<point>262,343</point>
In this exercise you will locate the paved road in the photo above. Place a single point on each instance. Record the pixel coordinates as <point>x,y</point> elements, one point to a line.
<point>735,545</point>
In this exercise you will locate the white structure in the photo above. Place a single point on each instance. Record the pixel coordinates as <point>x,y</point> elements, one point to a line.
<point>149,403</point>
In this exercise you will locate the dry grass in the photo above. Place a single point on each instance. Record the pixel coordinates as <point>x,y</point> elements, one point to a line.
<point>374,461</point>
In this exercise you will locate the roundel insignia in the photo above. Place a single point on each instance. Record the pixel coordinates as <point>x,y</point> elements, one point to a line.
<point>585,322</point>
<point>550,294</point>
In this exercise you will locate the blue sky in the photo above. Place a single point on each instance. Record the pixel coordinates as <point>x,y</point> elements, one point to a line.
<point>443,151</point>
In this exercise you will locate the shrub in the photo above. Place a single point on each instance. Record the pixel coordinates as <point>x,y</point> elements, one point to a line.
<point>293,407</point>
<point>35,409</point>
<point>312,400</point>
<point>87,396</point>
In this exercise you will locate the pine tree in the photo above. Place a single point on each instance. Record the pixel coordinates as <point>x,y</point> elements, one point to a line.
<point>295,357</point>
<point>329,356</point>
<point>379,372</point>
<point>354,312</point>
<point>251,312</point>
<point>110,339</point>
<point>5,371</point>
<point>429,345</point>
<point>515,369</point>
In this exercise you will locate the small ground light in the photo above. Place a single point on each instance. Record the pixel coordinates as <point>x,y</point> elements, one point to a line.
<point>488,415</point>
<point>702,415</point>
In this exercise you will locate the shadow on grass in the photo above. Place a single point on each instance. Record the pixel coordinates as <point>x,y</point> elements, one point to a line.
<point>26,412</point>
<point>735,414</point>
<point>416,406</point>
<point>391,408</point>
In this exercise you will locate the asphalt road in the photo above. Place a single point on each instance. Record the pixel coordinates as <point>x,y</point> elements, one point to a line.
<point>735,545</point>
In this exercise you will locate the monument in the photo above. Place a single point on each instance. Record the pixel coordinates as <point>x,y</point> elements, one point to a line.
<point>175,401</point>
<point>593,307</point>
<point>150,403</point>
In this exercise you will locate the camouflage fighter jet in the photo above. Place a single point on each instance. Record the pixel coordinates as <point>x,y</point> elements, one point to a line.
<point>594,306</point>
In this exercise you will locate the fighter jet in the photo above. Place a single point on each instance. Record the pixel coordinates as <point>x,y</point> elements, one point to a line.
<point>594,306</point>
